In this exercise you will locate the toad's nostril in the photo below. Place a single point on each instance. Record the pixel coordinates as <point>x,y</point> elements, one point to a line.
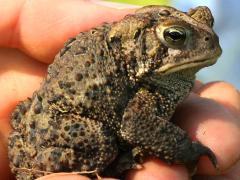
<point>206,38</point>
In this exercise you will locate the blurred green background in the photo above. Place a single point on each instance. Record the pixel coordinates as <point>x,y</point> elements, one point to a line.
<point>141,2</point>
<point>227,26</point>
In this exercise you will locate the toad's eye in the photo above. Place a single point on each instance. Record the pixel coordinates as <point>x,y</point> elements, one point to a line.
<point>175,36</point>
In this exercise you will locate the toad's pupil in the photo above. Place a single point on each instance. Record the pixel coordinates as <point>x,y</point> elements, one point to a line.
<point>175,35</point>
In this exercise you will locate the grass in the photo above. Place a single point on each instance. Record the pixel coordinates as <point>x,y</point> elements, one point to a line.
<point>142,2</point>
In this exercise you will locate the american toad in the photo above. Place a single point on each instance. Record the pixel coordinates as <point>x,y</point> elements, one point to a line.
<point>110,93</point>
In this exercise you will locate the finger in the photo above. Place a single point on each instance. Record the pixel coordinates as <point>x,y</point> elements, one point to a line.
<point>20,75</point>
<point>213,125</point>
<point>154,169</point>
<point>67,176</point>
<point>222,92</point>
<point>40,28</point>
<point>231,174</point>
<point>63,176</point>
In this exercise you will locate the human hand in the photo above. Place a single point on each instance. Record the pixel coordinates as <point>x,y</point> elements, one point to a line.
<point>38,29</point>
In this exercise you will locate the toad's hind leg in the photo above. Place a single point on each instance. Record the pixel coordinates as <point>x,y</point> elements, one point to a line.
<point>73,145</point>
<point>94,143</point>
<point>145,128</point>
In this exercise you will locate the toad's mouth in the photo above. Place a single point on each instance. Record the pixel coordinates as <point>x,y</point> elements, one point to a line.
<point>171,68</point>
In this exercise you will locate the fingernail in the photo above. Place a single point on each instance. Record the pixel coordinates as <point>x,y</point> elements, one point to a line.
<point>114,4</point>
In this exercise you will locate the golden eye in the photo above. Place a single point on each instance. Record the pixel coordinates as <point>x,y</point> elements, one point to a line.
<point>175,36</point>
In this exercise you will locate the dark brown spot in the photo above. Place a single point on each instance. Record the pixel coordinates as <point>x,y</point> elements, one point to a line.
<point>64,85</point>
<point>39,97</point>
<point>95,87</point>
<point>19,145</point>
<point>37,108</point>
<point>74,134</point>
<point>76,125</point>
<point>92,61</point>
<point>100,52</point>
<point>72,91</point>
<point>55,98</point>
<point>54,124</point>
<point>88,146</point>
<point>15,115</point>
<point>22,109</point>
<point>61,84</point>
<point>94,76</point>
<point>78,77</point>
<point>82,133</point>
<point>87,64</point>
<point>67,128</point>
<point>87,94</point>
<point>32,125</point>
<point>55,136</point>
<point>80,144</point>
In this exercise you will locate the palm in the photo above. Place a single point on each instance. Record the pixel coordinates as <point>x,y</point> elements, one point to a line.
<point>21,73</point>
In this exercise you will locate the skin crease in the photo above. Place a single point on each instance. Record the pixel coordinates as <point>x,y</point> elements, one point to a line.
<point>33,31</point>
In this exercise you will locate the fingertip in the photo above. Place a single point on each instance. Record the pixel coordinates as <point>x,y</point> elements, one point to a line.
<point>155,169</point>
<point>222,92</point>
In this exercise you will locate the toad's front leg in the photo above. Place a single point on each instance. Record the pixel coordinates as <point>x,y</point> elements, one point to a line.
<point>145,128</point>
